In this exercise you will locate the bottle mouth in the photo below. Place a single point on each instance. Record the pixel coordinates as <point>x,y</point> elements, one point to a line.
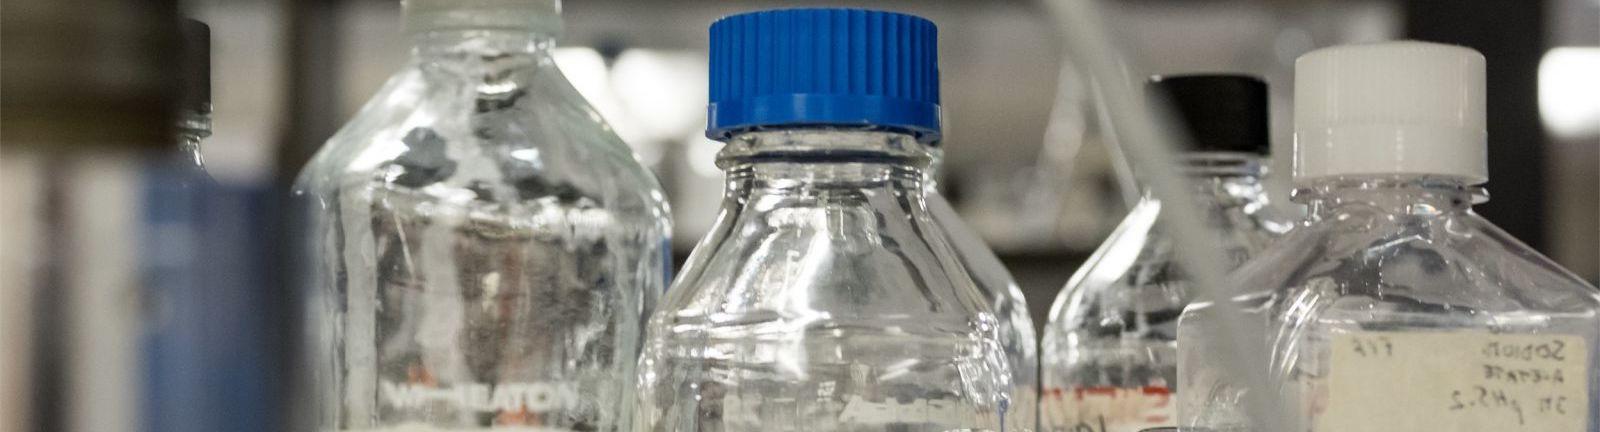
<point>527,16</point>
<point>1310,190</point>
<point>793,111</point>
<point>1222,163</point>
<point>195,121</point>
<point>824,144</point>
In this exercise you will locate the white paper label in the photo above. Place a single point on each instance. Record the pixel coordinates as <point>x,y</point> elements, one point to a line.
<point>1461,382</point>
<point>1107,409</point>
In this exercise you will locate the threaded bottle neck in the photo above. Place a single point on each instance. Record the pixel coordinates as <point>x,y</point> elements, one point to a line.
<point>516,16</point>
<point>1419,195</point>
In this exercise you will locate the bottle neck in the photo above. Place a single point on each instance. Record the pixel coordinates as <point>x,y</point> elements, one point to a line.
<point>481,45</point>
<point>193,127</point>
<point>825,158</point>
<point>930,175</point>
<point>1399,194</point>
<point>1221,178</point>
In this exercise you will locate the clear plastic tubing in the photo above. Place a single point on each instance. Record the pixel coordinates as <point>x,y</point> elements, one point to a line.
<point>1111,346</point>
<point>1147,140</point>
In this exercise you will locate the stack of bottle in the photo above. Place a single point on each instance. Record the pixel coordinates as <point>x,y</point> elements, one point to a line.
<point>483,253</point>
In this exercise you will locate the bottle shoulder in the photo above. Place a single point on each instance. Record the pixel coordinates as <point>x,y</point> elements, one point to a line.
<point>1422,263</point>
<point>990,275</point>
<point>452,136</point>
<point>811,264</point>
<point>1136,269</point>
<point>994,283</point>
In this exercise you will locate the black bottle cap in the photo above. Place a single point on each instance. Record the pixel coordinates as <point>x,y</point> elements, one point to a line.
<point>1219,112</point>
<point>195,67</point>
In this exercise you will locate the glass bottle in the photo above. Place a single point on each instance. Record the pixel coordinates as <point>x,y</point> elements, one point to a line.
<point>1017,335</point>
<point>175,368</point>
<point>1395,307</point>
<point>826,298</point>
<point>1110,348</point>
<point>483,247</point>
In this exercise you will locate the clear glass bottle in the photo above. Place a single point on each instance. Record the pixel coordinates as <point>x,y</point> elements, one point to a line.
<point>826,297</point>
<point>483,248</point>
<point>1017,335</point>
<point>1395,307</point>
<point>1110,348</point>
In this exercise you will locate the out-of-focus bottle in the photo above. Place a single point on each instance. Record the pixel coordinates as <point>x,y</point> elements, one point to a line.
<point>175,369</point>
<point>1017,335</point>
<point>212,303</point>
<point>1395,307</point>
<point>827,297</point>
<point>483,249</point>
<point>1110,348</point>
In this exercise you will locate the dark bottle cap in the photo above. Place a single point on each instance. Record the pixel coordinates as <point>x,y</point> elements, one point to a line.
<point>1219,112</point>
<point>195,67</point>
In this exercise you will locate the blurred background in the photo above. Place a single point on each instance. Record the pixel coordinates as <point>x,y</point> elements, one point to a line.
<point>1029,165</point>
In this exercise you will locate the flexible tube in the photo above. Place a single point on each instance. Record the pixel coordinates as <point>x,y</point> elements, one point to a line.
<point>1147,140</point>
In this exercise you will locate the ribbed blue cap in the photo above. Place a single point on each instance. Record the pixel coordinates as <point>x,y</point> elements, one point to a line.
<point>824,67</point>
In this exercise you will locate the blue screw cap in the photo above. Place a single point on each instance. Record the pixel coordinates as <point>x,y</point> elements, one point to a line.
<point>824,67</point>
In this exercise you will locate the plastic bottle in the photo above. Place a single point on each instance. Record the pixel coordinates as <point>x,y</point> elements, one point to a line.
<point>1395,307</point>
<point>1110,348</point>
<point>483,248</point>
<point>826,297</point>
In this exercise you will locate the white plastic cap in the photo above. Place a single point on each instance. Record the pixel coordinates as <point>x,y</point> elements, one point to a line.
<point>539,16</point>
<point>1390,108</point>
